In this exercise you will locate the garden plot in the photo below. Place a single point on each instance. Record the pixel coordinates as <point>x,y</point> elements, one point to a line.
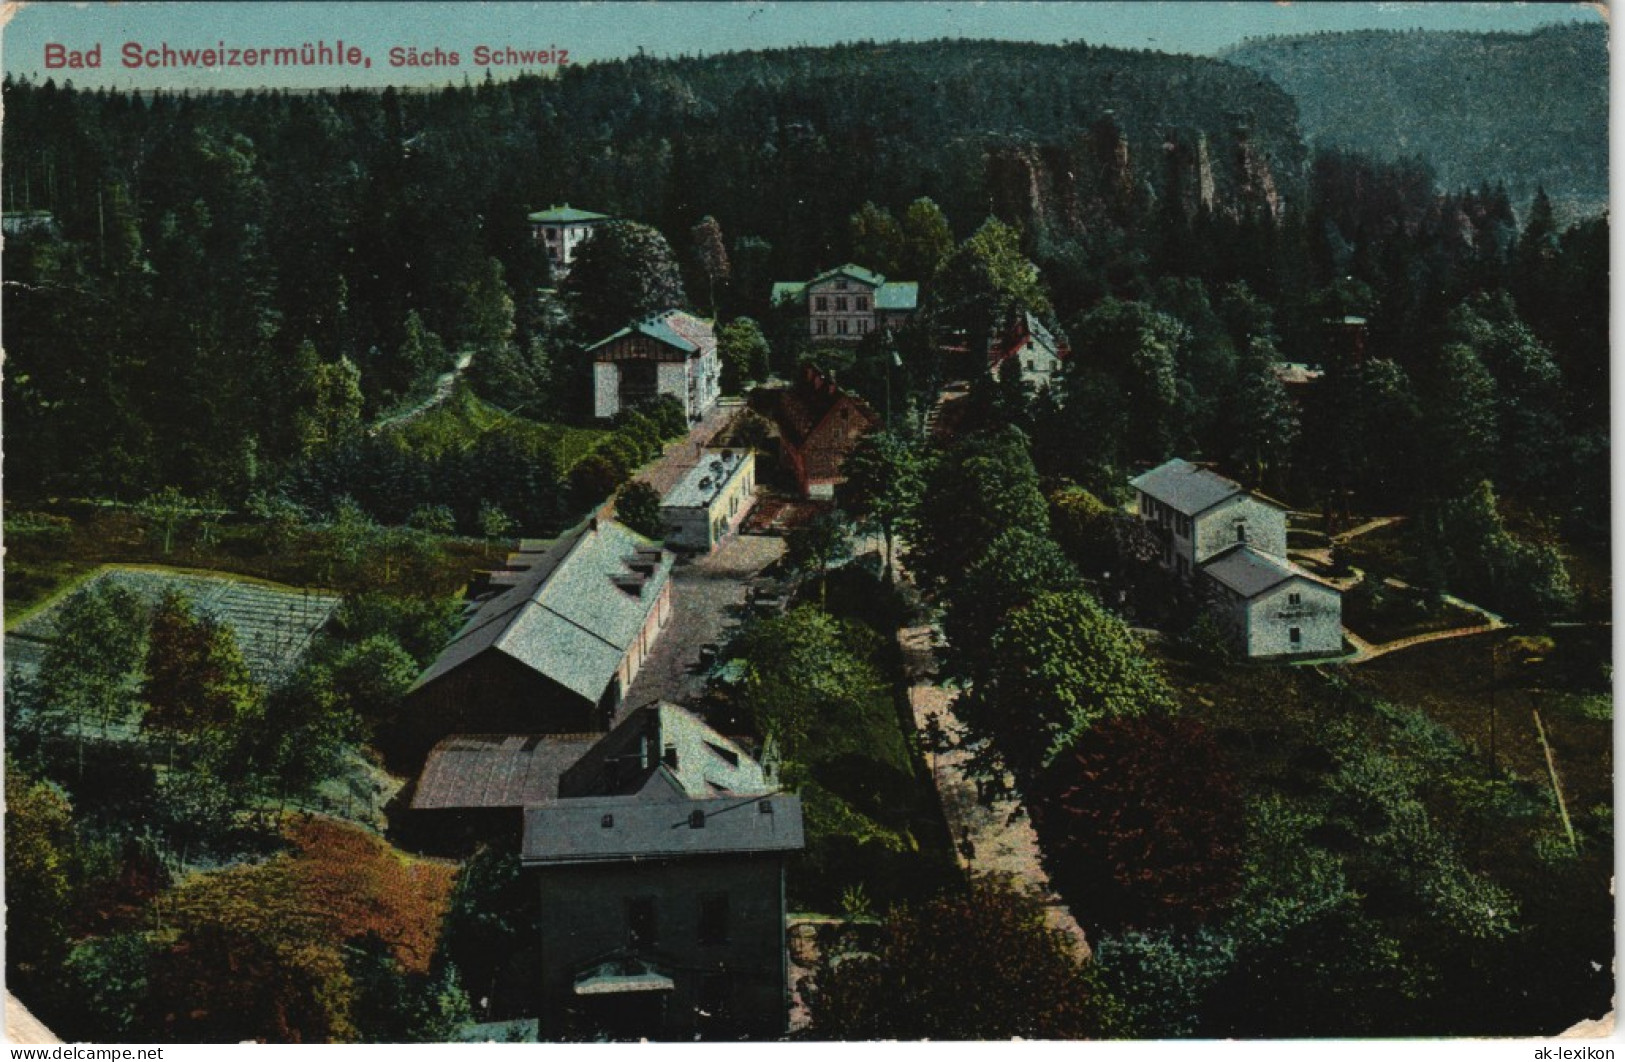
<point>273,624</point>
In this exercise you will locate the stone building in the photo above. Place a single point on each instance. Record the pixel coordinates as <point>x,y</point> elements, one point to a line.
<point>1232,544</point>
<point>669,353</point>
<point>658,851</point>
<point>562,230</point>
<point>848,302</point>
<point>1034,349</point>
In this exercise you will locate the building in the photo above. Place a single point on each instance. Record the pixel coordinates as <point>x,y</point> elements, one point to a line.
<point>1233,545</point>
<point>819,425</point>
<point>562,229</point>
<point>668,353</point>
<point>710,501</point>
<point>1199,514</point>
<point>658,851</point>
<point>555,645</point>
<point>1272,606</point>
<point>23,222</point>
<point>848,302</point>
<point>1035,351</point>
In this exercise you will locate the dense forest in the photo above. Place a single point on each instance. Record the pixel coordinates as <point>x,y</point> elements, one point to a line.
<point>218,255</point>
<point>1528,109</point>
<point>224,333</point>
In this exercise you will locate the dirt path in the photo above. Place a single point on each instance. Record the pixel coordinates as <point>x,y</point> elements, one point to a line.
<point>444,384</point>
<point>1364,650</point>
<point>989,839</point>
<point>1369,526</point>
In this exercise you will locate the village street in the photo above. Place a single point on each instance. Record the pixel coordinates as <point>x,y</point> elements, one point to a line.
<point>995,838</point>
<point>707,592</point>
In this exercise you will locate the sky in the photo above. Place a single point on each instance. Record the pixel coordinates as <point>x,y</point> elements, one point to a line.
<point>126,38</point>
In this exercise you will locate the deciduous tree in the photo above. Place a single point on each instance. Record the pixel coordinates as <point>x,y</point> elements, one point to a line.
<point>624,271</point>
<point>637,505</point>
<point>1059,667</point>
<point>1141,823</point>
<point>977,963</point>
<point>884,479</point>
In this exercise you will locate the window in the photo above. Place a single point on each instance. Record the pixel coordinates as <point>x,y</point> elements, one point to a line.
<point>840,303</point>
<point>863,324</point>
<point>642,927</point>
<point>1294,599</point>
<point>820,303</point>
<point>820,326</point>
<point>840,326</point>
<point>1241,532</point>
<point>714,918</point>
<point>1295,635</point>
<point>863,302</point>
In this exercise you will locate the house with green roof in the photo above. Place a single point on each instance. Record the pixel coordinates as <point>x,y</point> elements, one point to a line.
<point>668,353</point>
<point>562,229</point>
<point>848,302</point>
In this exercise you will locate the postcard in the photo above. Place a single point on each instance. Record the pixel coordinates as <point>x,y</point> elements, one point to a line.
<point>805,522</point>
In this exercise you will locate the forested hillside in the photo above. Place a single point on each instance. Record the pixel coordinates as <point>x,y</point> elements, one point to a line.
<point>205,240</point>
<point>1527,109</point>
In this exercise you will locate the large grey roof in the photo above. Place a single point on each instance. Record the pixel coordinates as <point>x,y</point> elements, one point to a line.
<point>565,616</point>
<point>1184,487</point>
<point>701,484</point>
<point>612,829</point>
<point>1249,572</point>
<point>497,770</point>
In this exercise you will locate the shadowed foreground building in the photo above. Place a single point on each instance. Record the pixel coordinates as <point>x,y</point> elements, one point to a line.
<point>658,851</point>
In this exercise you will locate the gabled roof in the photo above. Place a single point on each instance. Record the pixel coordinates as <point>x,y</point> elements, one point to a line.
<point>888,295</point>
<point>676,329</point>
<point>567,615</point>
<point>1250,573</point>
<point>802,408</point>
<point>663,753</point>
<point>1186,488</point>
<point>851,272</point>
<point>788,291</point>
<point>565,214</point>
<point>614,829</point>
<point>496,770</point>
<point>1020,330</point>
